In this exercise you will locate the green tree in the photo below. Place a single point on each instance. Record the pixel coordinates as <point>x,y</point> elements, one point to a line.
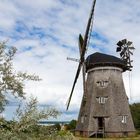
<point>135,111</point>
<point>11,82</point>
<point>71,125</point>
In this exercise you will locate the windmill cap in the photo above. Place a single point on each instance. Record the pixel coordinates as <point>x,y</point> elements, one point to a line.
<point>99,60</point>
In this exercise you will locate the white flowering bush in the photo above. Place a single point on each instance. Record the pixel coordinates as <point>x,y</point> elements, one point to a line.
<point>25,126</point>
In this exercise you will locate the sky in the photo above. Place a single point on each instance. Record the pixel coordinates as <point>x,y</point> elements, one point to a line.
<point>46,32</point>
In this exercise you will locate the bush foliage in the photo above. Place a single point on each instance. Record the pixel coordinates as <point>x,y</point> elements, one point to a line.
<point>25,125</point>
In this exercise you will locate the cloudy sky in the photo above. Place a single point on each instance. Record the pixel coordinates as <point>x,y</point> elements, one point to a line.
<point>45,33</point>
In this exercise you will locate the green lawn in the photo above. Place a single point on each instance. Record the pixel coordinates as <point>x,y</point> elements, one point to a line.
<point>135,138</point>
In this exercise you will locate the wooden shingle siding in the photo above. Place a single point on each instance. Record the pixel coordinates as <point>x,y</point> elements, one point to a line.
<point>106,101</point>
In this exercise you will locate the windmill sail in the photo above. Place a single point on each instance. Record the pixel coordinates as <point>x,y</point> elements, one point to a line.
<point>81,40</point>
<point>83,50</point>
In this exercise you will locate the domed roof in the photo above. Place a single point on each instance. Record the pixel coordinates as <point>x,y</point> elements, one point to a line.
<point>99,59</point>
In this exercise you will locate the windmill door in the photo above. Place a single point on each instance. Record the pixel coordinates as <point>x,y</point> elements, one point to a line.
<point>101,123</point>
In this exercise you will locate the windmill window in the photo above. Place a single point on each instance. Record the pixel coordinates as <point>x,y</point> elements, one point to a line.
<point>102,83</point>
<point>82,119</point>
<point>101,100</point>
<point>124,119</point>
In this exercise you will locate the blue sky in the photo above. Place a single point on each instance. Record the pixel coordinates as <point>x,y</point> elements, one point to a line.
<point>46,32</point>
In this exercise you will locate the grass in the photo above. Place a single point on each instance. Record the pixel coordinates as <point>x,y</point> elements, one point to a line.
<point>133,138</point>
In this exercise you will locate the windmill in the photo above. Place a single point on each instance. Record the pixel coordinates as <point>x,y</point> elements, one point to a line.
<point>104,110</point>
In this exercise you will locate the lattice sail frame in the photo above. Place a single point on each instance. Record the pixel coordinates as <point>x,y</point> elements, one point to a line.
<point>126,49</point>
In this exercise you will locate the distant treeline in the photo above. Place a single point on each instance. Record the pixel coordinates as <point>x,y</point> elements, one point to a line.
<point>135,111</point>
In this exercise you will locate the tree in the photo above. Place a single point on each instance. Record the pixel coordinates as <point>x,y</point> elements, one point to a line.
<point>11,82</point>
<point>135,111</point>
<point>57,126</point>
<point>71,125</point>
<point>31,114</point>
<point>25,123</point>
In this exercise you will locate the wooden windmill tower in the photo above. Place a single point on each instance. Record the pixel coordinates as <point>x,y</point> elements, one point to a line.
<point>104,109</point>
